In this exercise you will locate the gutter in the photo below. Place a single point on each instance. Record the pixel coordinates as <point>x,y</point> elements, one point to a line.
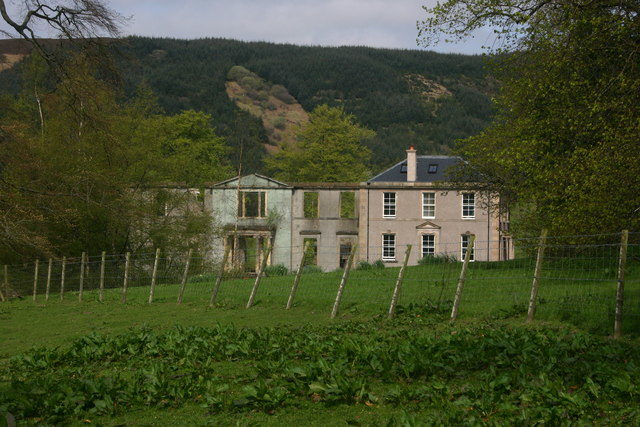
<point>368,216</point>
<point>488,228</point>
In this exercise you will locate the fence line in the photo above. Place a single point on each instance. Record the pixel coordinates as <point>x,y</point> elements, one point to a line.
<point>595,284</point>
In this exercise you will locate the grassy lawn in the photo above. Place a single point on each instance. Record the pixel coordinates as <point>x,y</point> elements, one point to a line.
<point>167,364</point>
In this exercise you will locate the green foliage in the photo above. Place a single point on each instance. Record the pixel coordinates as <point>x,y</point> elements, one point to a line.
<point>280,92</point>
<point>190,150</point>
<point>311,254</point>
<point>330,149</point>
<point>510,374</point>
<point>252,83</point>
<point>276,270</point>
<point>364,265</point>
<point>279,123</point>
<point>566,133</point>
<point>80,178</point>
<point>310,204</point>
<point>311,269</point>
<point>437,259</point>
<point>348,204</point>
<point>378,264</point>
<point>238,72</point>
<point>369,83</point>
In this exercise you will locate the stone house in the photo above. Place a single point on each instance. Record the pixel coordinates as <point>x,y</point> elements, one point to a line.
<point>409,203</point>
<point>412,203</point>
<point>326,216</point>
<point>249,212</point>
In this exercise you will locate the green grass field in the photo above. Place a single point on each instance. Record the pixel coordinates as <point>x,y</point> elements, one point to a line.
<point>135,363</point>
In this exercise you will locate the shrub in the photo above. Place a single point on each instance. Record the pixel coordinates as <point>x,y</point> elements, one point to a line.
<point>251,82</point>
<point>308,269</point>
<point>280,92</point>
<point>364,265</point>
<point>279,123</point>
<point>237,72</point>
<point>437,259</point>
<point>257,95</point>
<point>378,264</point>
<point>202,278</point>
<point>276,270</point>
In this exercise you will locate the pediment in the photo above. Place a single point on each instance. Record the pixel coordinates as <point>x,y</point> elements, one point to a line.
<point>428,225</point>
<point>252,181</point>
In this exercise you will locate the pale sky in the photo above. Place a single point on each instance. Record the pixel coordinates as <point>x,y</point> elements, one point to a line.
<point>377,23</point>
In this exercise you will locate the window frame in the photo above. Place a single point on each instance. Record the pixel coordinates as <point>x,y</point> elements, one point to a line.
<point>304,204</point>
<point>385,246</point>
<point>262,204</point>
<point>355,205</point>
<point>463,248</point>
<point>386,205</point>
<point>424,193</point>
<point>422,245</point>
<point>467,205</point>
<point>313,248</point>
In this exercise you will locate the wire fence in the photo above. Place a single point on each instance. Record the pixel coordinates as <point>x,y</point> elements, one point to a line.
<point>578,281</point>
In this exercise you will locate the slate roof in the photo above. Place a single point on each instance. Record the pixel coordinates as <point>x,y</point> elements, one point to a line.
<point>397,172</point>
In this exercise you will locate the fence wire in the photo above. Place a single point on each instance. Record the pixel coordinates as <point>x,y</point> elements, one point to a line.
<point>578,281</point>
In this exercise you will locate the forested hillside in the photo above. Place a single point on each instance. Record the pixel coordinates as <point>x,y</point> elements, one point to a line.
<point>408,97</point>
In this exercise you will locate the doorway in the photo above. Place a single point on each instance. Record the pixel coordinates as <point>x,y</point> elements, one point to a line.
<point>249,252</point>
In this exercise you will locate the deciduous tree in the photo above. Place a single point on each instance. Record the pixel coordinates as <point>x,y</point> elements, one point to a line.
<point>564,146</point>
<point>330,149</point>
<point>80,21</point>
<point>95,176</point>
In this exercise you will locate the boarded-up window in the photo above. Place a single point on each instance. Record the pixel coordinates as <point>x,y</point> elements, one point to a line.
<point>252,204</point>
<point>347,204</point>
<point>311,256</point>
<point>310,204</point>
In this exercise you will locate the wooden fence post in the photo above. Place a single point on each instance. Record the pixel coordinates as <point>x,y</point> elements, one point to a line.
<point>46,294</point>
<point>184,277</point>
<point>82,266</point>
<point>64,267</point>
<point>536,277</point>
<point>397,289</point>
<point>126,277</point>
<point>622,262</point>
<point>35,279</point>
<point>153,275</point>
<point>296,281</point>
<point>263,264</point>
<point>216,287</point>
<point>102,262</point>
<point>343,282</point>
<point>463,275</point>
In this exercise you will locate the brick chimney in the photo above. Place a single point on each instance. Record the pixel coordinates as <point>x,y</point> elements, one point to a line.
<point>411,164</point>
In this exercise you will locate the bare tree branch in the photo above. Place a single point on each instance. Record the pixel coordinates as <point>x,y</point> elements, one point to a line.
<point>80,21</point>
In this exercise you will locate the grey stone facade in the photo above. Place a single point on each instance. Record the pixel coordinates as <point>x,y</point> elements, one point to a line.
<point>381,216</point>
